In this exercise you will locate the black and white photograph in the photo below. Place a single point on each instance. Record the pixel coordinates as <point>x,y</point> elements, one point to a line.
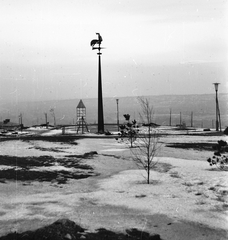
<point>113,119</point>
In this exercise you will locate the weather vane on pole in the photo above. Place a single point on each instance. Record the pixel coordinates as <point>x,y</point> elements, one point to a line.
<point>96,44</point>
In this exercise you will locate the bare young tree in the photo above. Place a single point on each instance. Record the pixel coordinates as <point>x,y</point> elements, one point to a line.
<point>147,143</point>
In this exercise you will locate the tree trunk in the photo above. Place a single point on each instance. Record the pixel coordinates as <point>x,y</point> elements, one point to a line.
<point>148,175</point>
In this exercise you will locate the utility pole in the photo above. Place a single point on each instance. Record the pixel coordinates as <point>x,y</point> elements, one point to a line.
<point>218,119</point>
<point>117,104</point>
<point>170,117</point>
<point>45,114</point>
<point>191,119</point>
<point>180,119</point>
<point>20,121</point>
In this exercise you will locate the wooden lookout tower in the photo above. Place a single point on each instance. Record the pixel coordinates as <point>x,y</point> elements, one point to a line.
<point>81,116</point>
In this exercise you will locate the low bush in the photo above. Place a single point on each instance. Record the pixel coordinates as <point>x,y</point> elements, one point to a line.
<point>220,160</point>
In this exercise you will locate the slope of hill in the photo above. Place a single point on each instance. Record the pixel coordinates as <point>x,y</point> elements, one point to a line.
<point>202,106</point>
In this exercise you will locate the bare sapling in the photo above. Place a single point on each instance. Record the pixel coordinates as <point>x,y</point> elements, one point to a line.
<point>147,145</point>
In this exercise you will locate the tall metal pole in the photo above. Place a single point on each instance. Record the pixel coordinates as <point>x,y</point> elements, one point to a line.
<point>220,124</point>
<point>100,98</point>
<point>216,99</point>
<point>217,108</point>
<point>117,102</point>
<point>219,117</point>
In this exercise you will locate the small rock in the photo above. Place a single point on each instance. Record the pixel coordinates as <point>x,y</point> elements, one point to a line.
<point>198,194</point>
<point>2,180</point>
<point>53,181</point>
<point>67,236</point>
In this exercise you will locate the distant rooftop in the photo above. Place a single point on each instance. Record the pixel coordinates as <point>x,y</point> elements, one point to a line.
<point>81,104</point>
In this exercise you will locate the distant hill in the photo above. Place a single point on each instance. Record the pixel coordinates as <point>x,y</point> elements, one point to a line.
<point>8,124</point>
<point>202,106</point>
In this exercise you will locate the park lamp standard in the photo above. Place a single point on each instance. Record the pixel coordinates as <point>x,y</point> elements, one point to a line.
<point>218,120</point>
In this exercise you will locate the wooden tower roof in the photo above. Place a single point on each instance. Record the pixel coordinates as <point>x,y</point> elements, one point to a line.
<point>81,104</point>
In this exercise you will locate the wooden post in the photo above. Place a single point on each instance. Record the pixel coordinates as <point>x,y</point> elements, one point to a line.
<point>180,119</point>
<point>45,114</point>
<point>170,117</point>
<point>191,119</point>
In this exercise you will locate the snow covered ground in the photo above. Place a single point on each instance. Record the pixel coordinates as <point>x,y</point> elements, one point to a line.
<point>190,191</point>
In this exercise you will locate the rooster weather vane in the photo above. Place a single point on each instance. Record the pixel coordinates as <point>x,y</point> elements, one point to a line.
<point>96,42</point>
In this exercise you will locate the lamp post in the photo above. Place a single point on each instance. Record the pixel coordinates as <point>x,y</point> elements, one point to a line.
<point>218,121</point>
<point>97,42</point>
<point>117,104</point>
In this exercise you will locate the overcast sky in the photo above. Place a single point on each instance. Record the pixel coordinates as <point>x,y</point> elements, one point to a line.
<point>151,48</point>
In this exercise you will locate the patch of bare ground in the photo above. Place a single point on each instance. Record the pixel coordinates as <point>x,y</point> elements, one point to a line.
<point>44,168</point>
<point>65,229</point>
<point>196,146</point>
